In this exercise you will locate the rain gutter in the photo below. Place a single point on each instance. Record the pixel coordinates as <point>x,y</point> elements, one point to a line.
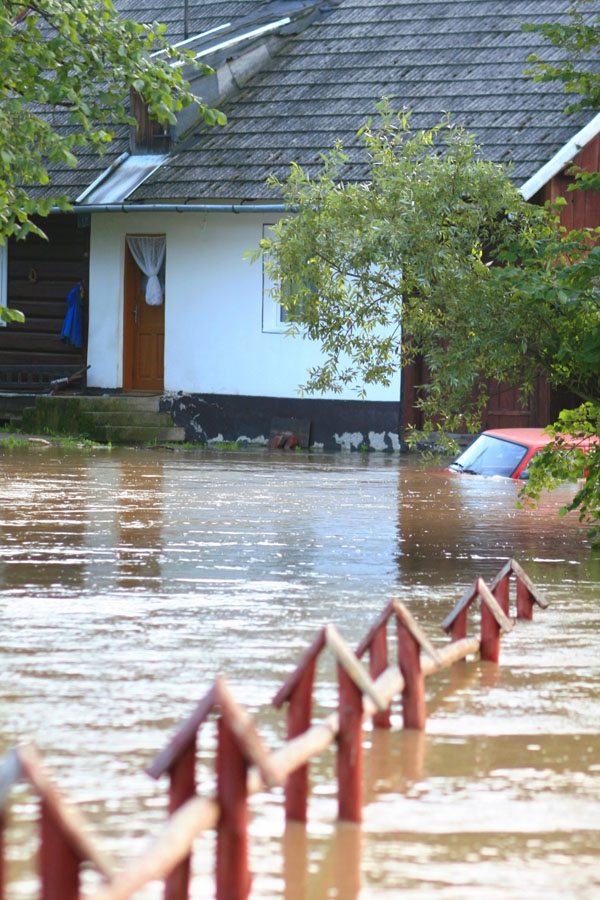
<point>177,207</point>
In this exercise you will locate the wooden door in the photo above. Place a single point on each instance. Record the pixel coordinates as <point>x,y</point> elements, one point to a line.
<point>143,334</point>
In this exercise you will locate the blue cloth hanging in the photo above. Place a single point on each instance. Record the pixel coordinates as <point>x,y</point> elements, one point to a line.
<point>71,330</point>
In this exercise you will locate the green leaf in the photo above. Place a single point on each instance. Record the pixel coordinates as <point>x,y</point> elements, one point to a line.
<point>7,314</point>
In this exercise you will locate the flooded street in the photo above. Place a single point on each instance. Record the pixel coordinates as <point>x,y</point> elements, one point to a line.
<point>129,579</point>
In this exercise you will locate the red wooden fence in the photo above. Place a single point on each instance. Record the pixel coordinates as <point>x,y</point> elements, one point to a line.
<point>245,766</point>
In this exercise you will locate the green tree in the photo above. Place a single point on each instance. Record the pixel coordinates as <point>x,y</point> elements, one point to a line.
<point>66,71</point>
<point>578,39</point>
<point>435,254</point>
<point>578,72</point>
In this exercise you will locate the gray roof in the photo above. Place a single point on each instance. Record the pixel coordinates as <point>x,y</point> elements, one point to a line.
<point>202,14</point>
<point>465,57</point>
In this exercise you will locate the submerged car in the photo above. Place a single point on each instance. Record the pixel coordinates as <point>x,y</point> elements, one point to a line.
<point>501,451</point>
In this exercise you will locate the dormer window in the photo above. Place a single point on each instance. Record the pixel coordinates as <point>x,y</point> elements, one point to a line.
<point>147,136</point>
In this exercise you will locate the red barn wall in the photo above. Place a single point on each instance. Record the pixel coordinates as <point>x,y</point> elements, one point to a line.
<point>505,408</point>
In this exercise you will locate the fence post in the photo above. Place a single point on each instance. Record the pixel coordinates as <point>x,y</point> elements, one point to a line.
<point>299,714</point>
<point>350,755</point>
<point>297,690</point>
<point>493,621</point>
<point>238,745</point>
<point>525,601</point>
<point>58,862</point>
<point>411,640</point>
<point>458,629</point>
<point>178,761</point>
<point>455,622</point>
<point>182,786</point>
<point>353,682</point>
<point>414,710</point>
<point>376,643</point>
<point>232,872</point>
<point>65,841</point>
<point>378,663</point>
<point>501,592</point>
<point>527,593</point>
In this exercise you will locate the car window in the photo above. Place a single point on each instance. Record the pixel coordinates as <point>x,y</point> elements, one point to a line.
<point>490,456</point>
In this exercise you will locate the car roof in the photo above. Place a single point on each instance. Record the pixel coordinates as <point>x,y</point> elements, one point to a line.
<point>529,437</point>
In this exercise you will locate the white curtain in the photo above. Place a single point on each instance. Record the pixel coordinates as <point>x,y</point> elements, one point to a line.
<point>149,253</point>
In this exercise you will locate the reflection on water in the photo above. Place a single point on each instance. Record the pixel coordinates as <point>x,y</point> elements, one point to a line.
<point>129,579</point>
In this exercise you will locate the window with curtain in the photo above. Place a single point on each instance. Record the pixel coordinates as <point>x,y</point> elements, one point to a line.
<point>149,250</point>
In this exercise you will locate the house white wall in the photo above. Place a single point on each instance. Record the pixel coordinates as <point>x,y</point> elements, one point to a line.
<point>214,338</point>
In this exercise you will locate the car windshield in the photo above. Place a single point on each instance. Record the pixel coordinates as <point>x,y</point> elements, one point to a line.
<point>490,456</point>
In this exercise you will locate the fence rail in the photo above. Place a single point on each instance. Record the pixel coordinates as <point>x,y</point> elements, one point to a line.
<point>245,766</point>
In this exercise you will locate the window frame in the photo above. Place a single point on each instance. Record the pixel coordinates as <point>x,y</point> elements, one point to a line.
<point>3,278</point>
<point>272,310</point>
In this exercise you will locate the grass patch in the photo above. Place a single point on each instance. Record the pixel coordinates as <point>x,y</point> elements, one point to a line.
<point>17,437</point>
<point>228,445</point>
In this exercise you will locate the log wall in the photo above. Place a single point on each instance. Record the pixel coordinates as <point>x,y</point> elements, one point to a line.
<point>40,275</point>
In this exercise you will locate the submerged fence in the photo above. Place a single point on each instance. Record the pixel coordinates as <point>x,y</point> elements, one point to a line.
<point>244,765</point>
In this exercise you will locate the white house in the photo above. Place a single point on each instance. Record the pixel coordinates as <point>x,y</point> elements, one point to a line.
<point>293,76</point>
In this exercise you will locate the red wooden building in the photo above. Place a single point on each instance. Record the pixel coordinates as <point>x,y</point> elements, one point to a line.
<point>506,408</point>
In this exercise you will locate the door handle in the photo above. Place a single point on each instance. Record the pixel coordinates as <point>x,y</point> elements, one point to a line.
<point>135,313</point>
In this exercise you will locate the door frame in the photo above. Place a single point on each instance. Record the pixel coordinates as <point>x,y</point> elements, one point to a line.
<point>131,284</point>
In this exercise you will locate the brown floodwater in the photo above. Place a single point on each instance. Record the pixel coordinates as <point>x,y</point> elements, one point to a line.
<point>129,579</point>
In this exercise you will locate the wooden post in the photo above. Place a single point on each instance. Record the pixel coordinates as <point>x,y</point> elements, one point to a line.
<point>527,592</point>
<point>349,756</point>
<point>178,760</point>
<point>182,787</point>
<point>525,601</point>
<point>493,621</point>
<point>353,682</point>
<point>378,663</point>
<point>455,623</point>
<point>238,745</point>
<point>414,710</point>
<point>458,629</point>
<point>65,839</point>
<point>411,641</point>
<point>375,642</point>
<point>58,862</point>
<point>297,692</point>
<point>232,873</point>
<point>502,594</point>
<point>490,635</point>
<point>299,714</point>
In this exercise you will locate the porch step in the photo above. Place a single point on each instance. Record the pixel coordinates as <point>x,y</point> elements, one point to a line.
<point>99,418</point>
<point>116,403</point>
<point>137,434</point>
<point>119,419</point>
<point>12,406</point>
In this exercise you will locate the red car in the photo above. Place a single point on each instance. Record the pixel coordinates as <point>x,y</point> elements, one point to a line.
<point>501,451</point>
